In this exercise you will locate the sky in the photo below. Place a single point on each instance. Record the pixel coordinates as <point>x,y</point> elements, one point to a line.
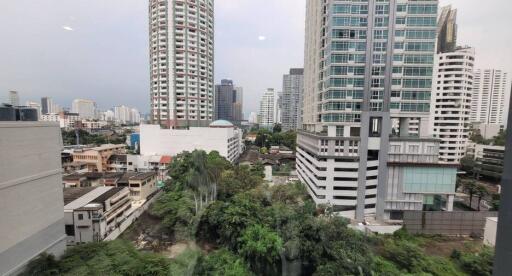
<point>97,49</point>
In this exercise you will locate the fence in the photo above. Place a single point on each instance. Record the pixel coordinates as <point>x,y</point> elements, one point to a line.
<point>458,223</point>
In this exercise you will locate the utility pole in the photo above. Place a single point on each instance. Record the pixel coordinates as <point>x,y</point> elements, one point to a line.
<point>503,256</point>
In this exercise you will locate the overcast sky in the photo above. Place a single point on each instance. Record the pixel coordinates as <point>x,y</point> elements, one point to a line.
<point>97,49</point>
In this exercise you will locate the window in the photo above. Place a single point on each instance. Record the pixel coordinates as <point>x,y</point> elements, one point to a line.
<point>414,149</point>
<point>397,70</point>
<point>395,148</point>
<point>375,126</point>
<point>80,216</point>
<point>401,8</point>
<point>382,9</point>
<point>70,229</point>
<point>380,34</point>
<point>421,21</point>
<point>381,21</point>
<point>398,57</point>
<point>339,132</point>
<point>399,33</point>
<point>400,21</point>
<point>399,46</point>
<point>380,46</point>
<point>379,58</point>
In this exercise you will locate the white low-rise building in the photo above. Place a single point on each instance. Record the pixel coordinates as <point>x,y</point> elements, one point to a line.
<point>91,213</point>
<point>221,136</point>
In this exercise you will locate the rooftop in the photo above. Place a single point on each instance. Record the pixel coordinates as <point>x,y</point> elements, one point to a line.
<point>221,124</point>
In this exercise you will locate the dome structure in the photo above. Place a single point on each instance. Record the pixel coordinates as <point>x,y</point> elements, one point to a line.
<point>221,124</point>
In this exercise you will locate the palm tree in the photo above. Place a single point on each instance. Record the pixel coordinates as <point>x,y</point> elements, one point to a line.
<point>471,188</point>
<point>481,192</point>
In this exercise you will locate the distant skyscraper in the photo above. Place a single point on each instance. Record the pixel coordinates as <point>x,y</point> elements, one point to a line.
<point>47,105</point>
<point>228,102</point>
<point>447,30</point>
<point>85,108</point>
<point>451,102</point>
<point>181,62</point>
<point>269,111</point>
<point>291,102</point>
<point>14,98</point>
<point>253,118</point>
<point>488,101</point>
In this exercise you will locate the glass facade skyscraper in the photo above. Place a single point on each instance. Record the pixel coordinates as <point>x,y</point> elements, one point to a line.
<point>367,91</point>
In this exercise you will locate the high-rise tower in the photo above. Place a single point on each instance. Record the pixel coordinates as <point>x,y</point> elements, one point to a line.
<point>488,102</point>
<point>367,85</point>
<point>293,86</point>
<point>181,35</point>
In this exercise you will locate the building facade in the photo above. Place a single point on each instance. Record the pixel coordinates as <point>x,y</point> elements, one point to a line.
<point>31,205</point>
<point>14,98</point>
<point>293,87</point>
<point>488,101</point>
<point>447,30</point>
<point>228,102</point>
<point>451,102</point>
<point>269,109</point>
<point>97,158</point>
<point>367,77</point>
<point>86,109</point>
<point>181,62</point>
<point>92,213</point>
<point>221,136</point>
<point>47,105</point>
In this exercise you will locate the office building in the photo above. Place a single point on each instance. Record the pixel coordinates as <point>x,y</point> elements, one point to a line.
<point>31,205</point>
<point>489,161</point>
<point>228,102</point>
<point>86,109</point>
<point>291,101</point>
<point>488,101</point>
<point>92,213</point>
<point>126,115</point>
<point>14,98</point>
<point>253,118</point>
<point>181,62</point>
<point>367,85</point>
<point>451,102</point>
<point>221,136</point>
<point>269,109</point>
<point>447,30</point>
<point>47,105</point>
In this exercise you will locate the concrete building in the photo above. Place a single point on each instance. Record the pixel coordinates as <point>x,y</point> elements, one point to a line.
<point>228,102</point>
<point>142,184</point>
<point>126,115</point>
<point>92,213</point>
<point>47,105</point>
<point>36,106</point>
<point>85,108</point>
<point>269,109</point>
<point>367,77</point>
<point>221,136</point>
<point>293,87</point>
<point>488,102</point>
<point>181,62</point>
<point>14,98</point>
<point>31,205</point>
<point>451,102</point>
<point>97,158</point>
<point>489,161</point>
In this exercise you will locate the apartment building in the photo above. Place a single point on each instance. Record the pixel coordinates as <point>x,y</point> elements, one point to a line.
<point>451,102</point>
<point>86,109</point>
<point>181,62</point>
<point>92,213</point>
<point>31,205</point>
<point>293,86</point>
<point>228,102</point>
<point>97,158</point>
<point>488,102</point>
<point>269,109</point>
<point>367,83</point>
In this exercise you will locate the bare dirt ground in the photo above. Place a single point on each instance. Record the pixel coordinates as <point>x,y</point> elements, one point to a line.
<point>444,246</point>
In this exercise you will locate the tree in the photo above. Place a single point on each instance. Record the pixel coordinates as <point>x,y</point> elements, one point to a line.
<point>177,211</point>
<point>481,192</point>
<point>500,139</point>
<point>221,263</point>
<point>44,264</point>
<point>470,187</point>
<point>277,128</point>
<point>262,247</point>
<point>468,164</point>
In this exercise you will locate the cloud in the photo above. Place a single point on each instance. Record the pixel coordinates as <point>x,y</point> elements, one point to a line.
<point>262,38</point>
<point>67,28</point>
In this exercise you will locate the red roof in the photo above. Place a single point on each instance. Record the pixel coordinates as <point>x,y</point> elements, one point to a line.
<point>166,159</point>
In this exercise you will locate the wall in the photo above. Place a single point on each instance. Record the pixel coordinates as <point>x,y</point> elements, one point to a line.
<point>31,200</point>
<point>157,141</point>
<point>491,226</point>
<point>446,223</point>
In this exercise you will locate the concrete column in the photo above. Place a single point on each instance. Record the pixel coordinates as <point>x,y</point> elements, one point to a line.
<point>449,204</point>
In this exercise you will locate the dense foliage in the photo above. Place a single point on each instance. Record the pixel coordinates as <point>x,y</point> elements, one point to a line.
<point>86,138</point>
<point>256,229</point>
<point>266,139</point>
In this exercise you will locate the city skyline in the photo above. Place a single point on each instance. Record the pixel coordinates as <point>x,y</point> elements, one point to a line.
<point>114,59</point>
